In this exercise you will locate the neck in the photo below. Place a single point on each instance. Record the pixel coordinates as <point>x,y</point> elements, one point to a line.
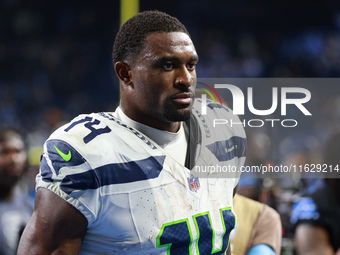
<point>161,124</point>
<point>172,127</point>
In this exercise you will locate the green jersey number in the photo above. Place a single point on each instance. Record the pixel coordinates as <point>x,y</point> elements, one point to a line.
<point>177,235</point>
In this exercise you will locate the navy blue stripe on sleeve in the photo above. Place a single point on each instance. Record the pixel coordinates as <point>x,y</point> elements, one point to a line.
<point>117,173</point>
<point>62,154</point>
<point>45,170</point>
<point>228,149</point>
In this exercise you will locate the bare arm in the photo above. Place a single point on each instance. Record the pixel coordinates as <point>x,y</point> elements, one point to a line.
<point>312,240</point>
<point>55,227</point>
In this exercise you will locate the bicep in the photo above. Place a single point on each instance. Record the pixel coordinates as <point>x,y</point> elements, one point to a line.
<point>55,227</point>
<point>312,240</point>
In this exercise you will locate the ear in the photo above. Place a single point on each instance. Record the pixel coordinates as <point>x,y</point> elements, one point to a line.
<point>123,72</point>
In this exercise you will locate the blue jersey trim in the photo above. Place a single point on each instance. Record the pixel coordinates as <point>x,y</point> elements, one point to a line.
<point>56,159</point>
<point>45,170</point>
<point>132,130</point>
<point>117,173</point>
<point>228,149</point>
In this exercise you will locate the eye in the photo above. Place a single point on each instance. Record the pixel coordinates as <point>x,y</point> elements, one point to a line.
<point>191,66</point>
<point>168,66</point>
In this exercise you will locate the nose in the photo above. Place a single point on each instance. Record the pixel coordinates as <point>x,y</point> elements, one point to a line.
<point>184,78</point>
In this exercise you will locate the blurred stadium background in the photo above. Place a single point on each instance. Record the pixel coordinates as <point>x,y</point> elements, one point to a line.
<point>55,63</point>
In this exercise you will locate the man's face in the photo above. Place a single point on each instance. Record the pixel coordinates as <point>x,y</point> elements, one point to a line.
<point>163,80</point>
<point>12,161</point>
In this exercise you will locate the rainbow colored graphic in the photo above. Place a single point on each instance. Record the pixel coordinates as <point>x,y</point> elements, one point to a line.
<point>209,93</point>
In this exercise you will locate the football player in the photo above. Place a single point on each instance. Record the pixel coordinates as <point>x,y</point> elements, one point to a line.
<point>125,182</point>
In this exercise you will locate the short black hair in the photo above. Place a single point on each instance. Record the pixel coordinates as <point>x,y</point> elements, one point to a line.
<point>131,36</point>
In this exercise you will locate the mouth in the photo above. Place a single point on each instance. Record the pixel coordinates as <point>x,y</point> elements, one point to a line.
<point>184,98</point>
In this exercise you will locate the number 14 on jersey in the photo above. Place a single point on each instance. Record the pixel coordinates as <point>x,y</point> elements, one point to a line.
<point>177,235</point>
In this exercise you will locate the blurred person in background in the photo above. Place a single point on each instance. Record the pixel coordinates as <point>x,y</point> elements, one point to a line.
<point>15,207</point>
<point>251,184</point>
<point>316,215</point>
<point>300,150</point>
<point>296,150</point>
<point>258,229</point>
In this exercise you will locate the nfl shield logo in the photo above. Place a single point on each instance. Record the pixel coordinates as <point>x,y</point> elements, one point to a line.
<point>194,184</point>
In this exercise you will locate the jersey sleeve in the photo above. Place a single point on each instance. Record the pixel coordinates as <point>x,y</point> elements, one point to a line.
<point>239,131</point>
<point>67,173</point>
<point>236,146</point>
<point>225,137</point>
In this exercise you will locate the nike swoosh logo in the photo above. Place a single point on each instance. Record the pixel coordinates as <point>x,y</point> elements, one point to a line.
<point>63,155</point>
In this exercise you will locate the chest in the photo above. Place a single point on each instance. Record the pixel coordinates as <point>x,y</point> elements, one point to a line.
<point>164,213</point>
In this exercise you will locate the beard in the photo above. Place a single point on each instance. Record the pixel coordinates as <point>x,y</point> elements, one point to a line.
<point>173,114</point>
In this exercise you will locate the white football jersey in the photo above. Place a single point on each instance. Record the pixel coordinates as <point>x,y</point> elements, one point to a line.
<point>138,199</point>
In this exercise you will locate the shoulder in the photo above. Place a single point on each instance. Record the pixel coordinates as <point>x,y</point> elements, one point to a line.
<point>94,129</point>
<point>91,143</point>
<point>72,156</point>
<point>222,130</point>
<point>88,134</point>
<point>84,127</point>
<point>72,146</point>
<point>218,117</point>
<point>211,109</point>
